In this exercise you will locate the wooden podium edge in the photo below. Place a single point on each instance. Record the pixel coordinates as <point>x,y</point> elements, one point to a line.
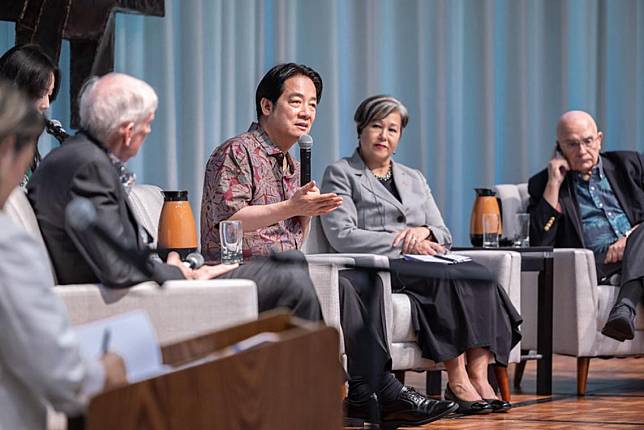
<point>292,383</point>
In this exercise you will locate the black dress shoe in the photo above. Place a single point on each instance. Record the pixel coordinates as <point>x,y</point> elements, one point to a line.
<point>358,412</point>
<point>499,405</point>
<point>620,325</point>
<point>412,409</point>
<point>465,407</point>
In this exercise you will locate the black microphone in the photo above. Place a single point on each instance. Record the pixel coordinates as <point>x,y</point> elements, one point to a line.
<point>194,260</point>
<point>305,141</point>
<point>55,128</point>
<point>80,214</point>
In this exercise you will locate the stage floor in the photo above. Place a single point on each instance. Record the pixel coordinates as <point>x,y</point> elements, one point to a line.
<point>614,399</point>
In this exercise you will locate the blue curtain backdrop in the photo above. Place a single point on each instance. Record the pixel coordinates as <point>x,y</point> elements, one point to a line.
<point>485,81</point>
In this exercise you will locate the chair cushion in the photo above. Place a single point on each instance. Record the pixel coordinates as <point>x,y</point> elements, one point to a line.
<point>20,211</point>
<point>316,242</point>
<point>514,198</point>
<point>407,356</point>
<point>146,202</point>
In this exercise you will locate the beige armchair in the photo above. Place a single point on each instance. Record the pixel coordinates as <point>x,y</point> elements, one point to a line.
<point>581,306</point>
<point>178,309</point>
<point>405,353</point>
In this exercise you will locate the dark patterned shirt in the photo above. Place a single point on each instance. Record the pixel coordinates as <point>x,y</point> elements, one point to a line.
<point>249,170</point>
<point>602,218</point>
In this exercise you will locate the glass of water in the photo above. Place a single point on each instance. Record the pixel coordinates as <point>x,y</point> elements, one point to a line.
<point>230,237</point>
<point>522,225</point>
<point>491,224</point>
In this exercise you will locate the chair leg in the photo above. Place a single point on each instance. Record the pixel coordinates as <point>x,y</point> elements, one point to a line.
<point>583,363</point>
<point>518,373</point>
<point>502,379</point>
<point>433,382</point>
<point>519,369</point>
<point>400,375</point>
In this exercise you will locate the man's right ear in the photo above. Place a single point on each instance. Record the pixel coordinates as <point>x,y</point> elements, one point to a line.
<point>266,105</point>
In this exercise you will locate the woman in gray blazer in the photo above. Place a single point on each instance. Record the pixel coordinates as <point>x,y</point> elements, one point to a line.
<point>388,209</point>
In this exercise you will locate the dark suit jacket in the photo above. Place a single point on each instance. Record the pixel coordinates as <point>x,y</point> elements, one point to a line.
<point>625,173</point>
<point>81,168</point>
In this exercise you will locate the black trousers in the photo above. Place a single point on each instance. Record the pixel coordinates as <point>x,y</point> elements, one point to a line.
<point>632,270</point>
<point>362,318</point>
<point>282,285</point>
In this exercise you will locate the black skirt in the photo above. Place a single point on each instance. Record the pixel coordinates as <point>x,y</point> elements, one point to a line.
<point>457,307</point>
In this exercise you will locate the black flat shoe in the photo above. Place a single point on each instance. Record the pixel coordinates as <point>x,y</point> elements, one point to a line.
<point>413,409</point>
<point>499,405</point>
<point>465,407</point>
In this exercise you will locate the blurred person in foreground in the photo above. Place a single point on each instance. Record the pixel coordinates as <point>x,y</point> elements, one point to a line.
<point>40,361</point>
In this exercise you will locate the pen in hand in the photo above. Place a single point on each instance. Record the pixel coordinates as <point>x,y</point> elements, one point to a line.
<point>105,345</point>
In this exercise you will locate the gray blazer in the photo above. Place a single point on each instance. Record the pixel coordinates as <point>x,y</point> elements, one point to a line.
<point>370,216</point>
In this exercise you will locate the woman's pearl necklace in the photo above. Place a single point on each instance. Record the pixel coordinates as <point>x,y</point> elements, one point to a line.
<point>385,177</point>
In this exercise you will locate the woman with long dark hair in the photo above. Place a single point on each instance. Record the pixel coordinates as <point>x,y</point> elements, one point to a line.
<point>30,70</point>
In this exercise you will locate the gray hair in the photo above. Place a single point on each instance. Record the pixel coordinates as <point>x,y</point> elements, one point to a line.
<point>378,107</point>
<point>116,98</point>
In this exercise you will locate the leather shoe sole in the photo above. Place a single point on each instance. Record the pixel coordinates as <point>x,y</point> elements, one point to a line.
<point>413,409</point>
<point>393,424</point>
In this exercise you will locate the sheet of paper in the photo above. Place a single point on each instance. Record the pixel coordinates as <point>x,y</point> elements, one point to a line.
<point>425,258</point>
<point>132,336</point>
<point>450,258</point>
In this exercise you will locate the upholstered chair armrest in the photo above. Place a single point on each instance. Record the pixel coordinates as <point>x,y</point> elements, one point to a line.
<point>324,270</point>
<point>324,274</point>
<point>575,301</point>
<point>177,310</point>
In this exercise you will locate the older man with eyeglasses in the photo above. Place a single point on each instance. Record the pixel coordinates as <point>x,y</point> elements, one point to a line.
<point>591,199</point>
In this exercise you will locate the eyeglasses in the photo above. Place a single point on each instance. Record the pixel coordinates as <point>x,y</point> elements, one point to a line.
<point>577,144</point>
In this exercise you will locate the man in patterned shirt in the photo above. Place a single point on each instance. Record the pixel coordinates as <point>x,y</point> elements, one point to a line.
<point>585,199</point>
<point>253,178</point>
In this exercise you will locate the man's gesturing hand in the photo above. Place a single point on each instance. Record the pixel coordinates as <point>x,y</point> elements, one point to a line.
<point>307,201</point>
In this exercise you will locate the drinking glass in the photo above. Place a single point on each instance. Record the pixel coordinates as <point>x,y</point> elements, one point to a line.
<point>522,225</point>
<point>230,236</point>
<point>491,224</point>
